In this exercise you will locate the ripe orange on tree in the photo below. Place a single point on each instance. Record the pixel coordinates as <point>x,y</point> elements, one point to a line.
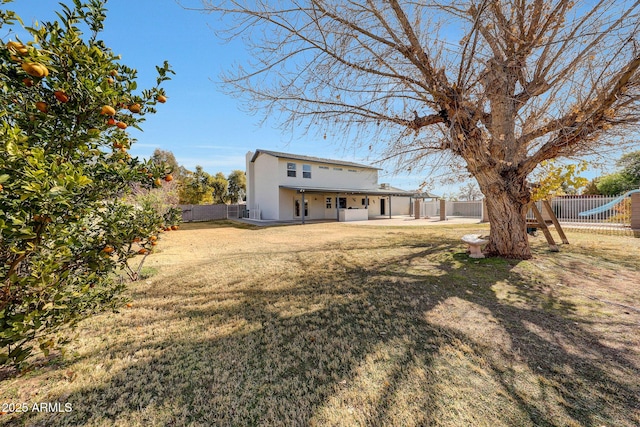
<point>61,96</point>
<point>18,47</point>
<point>157,182</point>
<point>27,82</point>
<point>168,178</point>
<point>42,106</point>
<point>161,98</point>
<point>35,70</point>
<point>108,110</point>
<point>135,108</point>
<point>112,121</point>
<point>143,251</point>
<point>174,227</point>
<point>107,249</point>
<point>121,125</point>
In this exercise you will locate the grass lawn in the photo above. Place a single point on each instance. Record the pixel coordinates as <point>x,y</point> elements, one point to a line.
<point>342,325</point>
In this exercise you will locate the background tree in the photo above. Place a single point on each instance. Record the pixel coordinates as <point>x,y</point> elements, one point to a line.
<point>65,230</point>
<point>613,184</point>
<point>592,187</point>
<point>498,86</point>
<point>630,164</point>
<point>220,185</point>
<point>470,192</point>
<point>237,186</point>
<point>196,188</point>
<point>626,178</point>
<point>165,157</point>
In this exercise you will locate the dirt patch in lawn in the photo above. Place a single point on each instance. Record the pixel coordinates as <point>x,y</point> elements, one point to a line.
<point>332,324</point>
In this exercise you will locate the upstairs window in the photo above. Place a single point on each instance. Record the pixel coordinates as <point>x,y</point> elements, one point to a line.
<point>306,171</point>
<point>291,170</point>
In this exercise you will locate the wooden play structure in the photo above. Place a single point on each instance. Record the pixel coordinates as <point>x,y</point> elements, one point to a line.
<point>542,224</point>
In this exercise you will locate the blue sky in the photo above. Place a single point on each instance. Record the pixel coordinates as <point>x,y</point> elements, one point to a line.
<point>199,123</point>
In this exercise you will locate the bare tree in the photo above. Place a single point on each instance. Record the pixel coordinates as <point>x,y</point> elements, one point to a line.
<point>470,192</point>
<point>499,85</point>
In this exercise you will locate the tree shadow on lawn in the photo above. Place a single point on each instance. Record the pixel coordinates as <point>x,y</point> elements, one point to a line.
<point>426,338</point>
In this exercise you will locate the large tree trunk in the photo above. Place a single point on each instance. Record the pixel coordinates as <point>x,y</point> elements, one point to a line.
<point>507,208</point>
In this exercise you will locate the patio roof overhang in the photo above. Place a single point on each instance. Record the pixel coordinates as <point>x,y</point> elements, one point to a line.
<point>359,191</point>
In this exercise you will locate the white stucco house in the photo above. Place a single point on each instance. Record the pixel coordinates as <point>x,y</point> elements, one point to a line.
<point>287,187</point>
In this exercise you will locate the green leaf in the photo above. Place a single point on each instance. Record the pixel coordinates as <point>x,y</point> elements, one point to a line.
<point>57,190</point>
<point>12,148</point>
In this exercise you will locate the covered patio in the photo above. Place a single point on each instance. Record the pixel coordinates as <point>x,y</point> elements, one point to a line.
<point>344,202</point>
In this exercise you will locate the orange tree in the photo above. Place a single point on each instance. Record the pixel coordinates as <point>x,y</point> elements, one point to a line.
<point>66,229</point>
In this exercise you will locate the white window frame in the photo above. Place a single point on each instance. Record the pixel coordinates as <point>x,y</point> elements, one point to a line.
<point>306,171</point>
<point>291,169</point>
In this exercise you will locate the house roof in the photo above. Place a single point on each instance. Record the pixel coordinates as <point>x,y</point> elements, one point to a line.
<point>426,195</point>
<point>309,159</point>
<point>389,191</point>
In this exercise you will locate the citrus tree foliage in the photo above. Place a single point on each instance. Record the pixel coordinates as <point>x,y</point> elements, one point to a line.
<point>64,170</point>
<point>492,87</point>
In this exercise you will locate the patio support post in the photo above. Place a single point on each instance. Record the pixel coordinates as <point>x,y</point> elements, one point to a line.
<point>389,207</point>
<point>303,207</point>
<point>416,208</point>
<point>443,210</point>
<point>337,207</point>
<point>635,213</point>
<point>366,204</point>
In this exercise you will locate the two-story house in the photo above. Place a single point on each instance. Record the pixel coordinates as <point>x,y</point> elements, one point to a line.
<point>282,186</point>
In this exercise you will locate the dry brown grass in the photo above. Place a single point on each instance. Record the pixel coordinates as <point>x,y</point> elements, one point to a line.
<point>332,324</point>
